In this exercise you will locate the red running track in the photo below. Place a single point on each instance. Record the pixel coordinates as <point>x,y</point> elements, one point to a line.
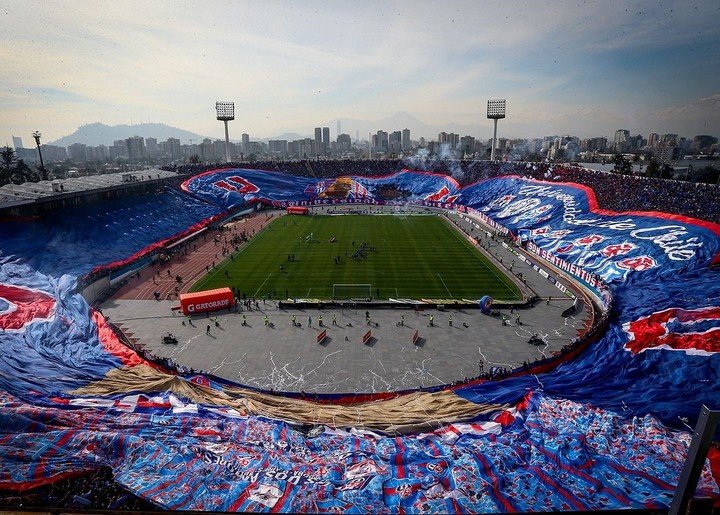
<point>191,261</point>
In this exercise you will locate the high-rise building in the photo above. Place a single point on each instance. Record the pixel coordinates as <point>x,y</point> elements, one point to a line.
<point>326,139</point>
<point>406,145</point>
<point>172,148</point>
<point>207,150</point>
<point>451,139</point>
<point>17,142</point>
<point>318,141</point>
<point>307,147</point>
<point>343,142</point>
<point>245,148</point>
<point>395,141</point>
<point>380,141</point>
<point>136,148</point>
<point>151,147</point>
<point>77,152</point>
<point>702,142</point>
<point>119,149</point>
<point>102,152</point>
<point>467,144</point>
<point>653,139</point>
<point>621,142</point>
<point>53,153</point>
<point>278,147</point>
<point>218,149</point>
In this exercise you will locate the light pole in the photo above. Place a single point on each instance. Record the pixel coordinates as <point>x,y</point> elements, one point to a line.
<point>495,111</point>
<point>226,112</point>
<point>37,135</point>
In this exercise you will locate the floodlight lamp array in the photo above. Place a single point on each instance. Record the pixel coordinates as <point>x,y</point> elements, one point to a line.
<point>496,109</point>
<point>225,110</point>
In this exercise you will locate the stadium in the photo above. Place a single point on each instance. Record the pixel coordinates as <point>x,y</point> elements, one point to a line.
<point>400,336</point>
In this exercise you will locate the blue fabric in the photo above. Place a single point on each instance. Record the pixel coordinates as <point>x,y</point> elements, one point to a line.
<point>589,438</point>
<point>49,357</point>
<point>223,188</point>
<point>79,238</point>
<point>551,454</point>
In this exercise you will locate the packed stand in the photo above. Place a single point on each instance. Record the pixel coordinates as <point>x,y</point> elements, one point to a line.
<point>615,192</point>
<point>96,490</point>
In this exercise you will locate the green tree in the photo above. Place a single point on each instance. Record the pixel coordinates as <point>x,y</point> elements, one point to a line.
<point>707,174</point>
<point>194,159</point>
<point>653,169</point>
<point>7,155</point>
<point>666,172</point>
<point>622,165</point>
<point>23,173</point>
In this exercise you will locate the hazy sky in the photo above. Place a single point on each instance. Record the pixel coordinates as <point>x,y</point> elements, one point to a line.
<point>565,67</point>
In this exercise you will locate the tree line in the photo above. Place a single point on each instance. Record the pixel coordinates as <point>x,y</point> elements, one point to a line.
<point>16,171</point>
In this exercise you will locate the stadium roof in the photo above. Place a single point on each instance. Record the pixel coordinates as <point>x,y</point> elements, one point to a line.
<point>16,194</point>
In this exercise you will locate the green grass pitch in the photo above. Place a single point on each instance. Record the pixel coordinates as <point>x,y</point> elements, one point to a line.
<point>415,256</point>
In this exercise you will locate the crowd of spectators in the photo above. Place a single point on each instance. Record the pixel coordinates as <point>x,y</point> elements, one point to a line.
<point>319,169</point>
<point>96,490</point>
<point>614,191</point>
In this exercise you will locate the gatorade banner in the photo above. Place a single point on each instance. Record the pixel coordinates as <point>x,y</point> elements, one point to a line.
<point>207,300</point>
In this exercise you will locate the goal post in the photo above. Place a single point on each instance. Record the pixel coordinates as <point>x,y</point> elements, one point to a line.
<point>351,291</point>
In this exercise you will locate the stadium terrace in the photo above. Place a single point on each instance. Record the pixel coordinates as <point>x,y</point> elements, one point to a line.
<point>604,422</point>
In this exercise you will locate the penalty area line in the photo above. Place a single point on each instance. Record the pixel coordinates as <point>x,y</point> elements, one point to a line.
<point>263,284</point>
<point>445,285</point>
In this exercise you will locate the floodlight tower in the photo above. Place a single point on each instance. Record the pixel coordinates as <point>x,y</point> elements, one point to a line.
<point>495,111</point>
<point>226,112</point>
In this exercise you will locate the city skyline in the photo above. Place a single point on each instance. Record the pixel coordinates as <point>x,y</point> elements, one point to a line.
<point>564,69</point>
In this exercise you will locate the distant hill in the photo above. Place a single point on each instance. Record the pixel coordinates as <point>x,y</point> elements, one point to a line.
<point>288,136</point>
<point>100,134</point>
<point>402,120</point>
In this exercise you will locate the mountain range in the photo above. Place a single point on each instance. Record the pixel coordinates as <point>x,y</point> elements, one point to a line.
<point>96,134</point>
<point>100,134</point>
<point>403,120</point>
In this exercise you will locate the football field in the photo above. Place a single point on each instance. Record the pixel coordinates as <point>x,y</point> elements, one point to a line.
<point>409,256</point>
